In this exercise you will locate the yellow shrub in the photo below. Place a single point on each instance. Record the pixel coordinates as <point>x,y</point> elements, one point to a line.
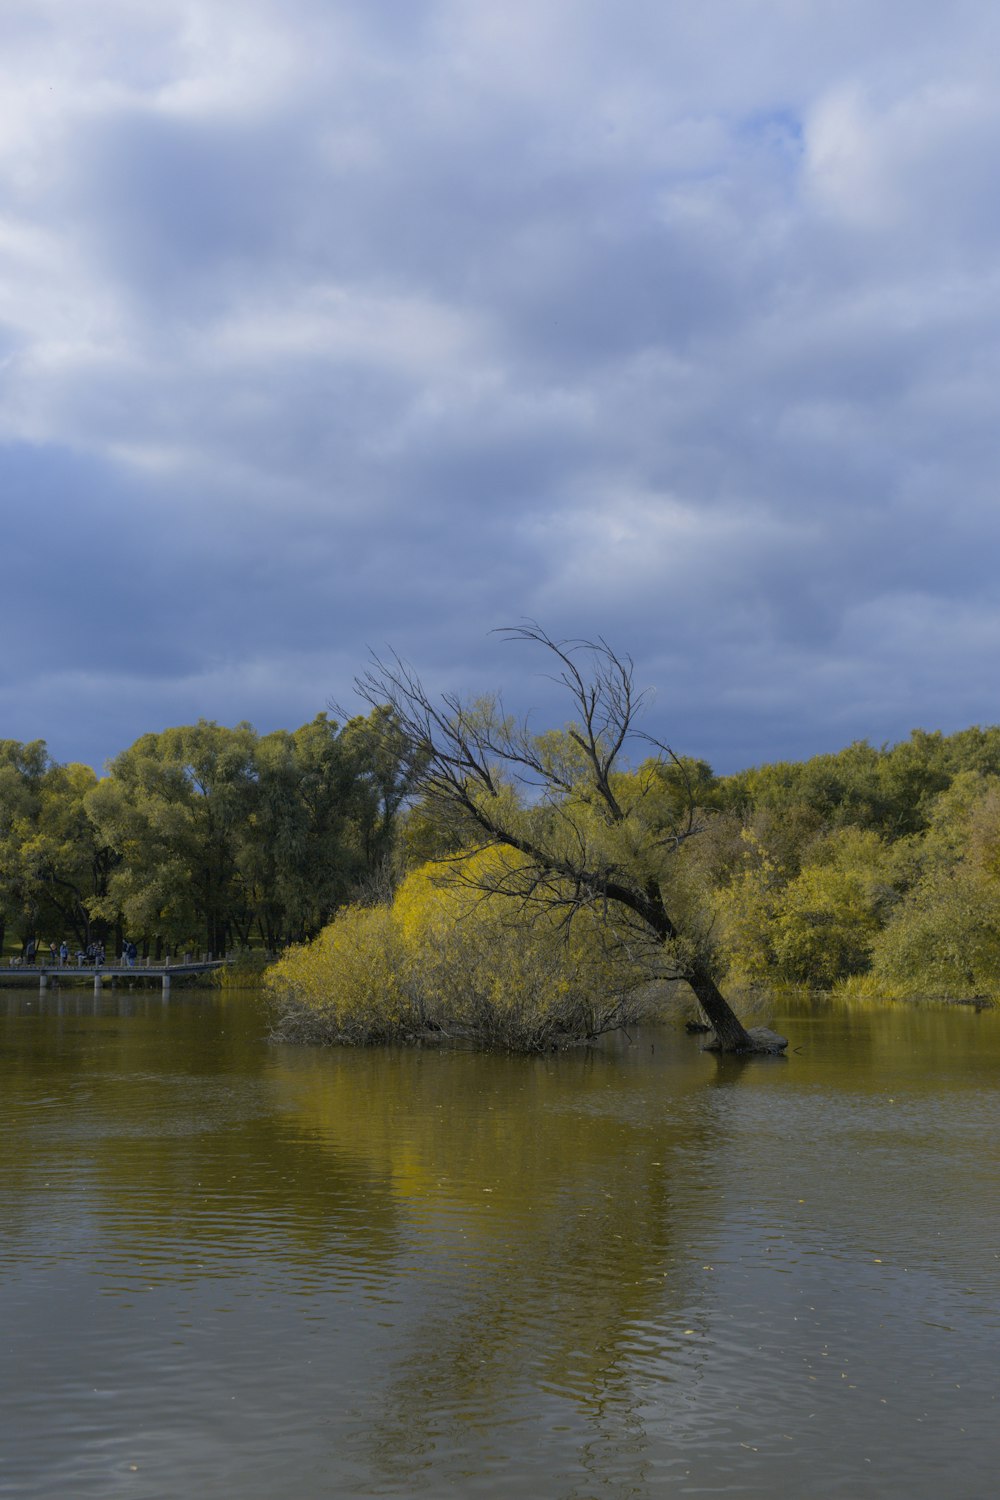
<point>346,985</point>
<point>486,960</point>
<point>459,952</point>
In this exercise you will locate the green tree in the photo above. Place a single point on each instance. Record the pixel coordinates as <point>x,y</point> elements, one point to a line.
<point>52,859</point>
<point>293,854</point>
<point>68,862</point>
<point>744,905</point>
<point>381,767</point>
<point>174,807</point>
<point>827,917</point>
<point>22,771</point>
<point>223,836</point>
<point>944,937</point>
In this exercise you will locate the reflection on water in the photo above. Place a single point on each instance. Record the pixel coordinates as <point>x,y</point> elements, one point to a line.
<point>234,1269</point>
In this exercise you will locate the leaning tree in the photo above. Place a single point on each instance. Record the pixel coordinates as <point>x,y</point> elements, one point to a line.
<point>587,832</point>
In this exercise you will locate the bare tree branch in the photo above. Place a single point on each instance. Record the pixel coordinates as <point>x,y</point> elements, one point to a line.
<point>584,836</point>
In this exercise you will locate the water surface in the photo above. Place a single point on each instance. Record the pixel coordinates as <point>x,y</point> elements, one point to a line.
<point>234,1269</point>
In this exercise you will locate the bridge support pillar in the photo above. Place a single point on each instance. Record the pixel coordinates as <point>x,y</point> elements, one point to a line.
<point>97,982</point>
<point>43,980</point>
<point>166,984</point>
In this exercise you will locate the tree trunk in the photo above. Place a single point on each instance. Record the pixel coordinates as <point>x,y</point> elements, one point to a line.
<point>730,1033</point>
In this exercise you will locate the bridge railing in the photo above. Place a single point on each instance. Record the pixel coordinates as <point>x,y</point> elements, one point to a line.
<point>169,960</point>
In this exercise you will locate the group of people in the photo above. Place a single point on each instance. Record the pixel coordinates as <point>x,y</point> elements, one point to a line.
<point>92,954</point>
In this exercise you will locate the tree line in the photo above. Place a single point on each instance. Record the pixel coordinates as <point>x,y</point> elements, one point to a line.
<point>552,875</point>
<point>439,863</point>
<point>874,870</point>
<point>200,837</point>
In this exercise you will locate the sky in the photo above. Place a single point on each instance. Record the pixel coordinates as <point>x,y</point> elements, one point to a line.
<point>329,326</point>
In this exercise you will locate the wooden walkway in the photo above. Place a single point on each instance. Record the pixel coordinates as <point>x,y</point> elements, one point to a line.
<point>47,974</point>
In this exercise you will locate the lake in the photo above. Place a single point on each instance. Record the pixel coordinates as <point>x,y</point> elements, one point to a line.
<point>235,1269</point>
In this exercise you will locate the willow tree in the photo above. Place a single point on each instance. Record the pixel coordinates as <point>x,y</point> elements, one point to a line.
<point>53,862</point>
<point>593,832</point>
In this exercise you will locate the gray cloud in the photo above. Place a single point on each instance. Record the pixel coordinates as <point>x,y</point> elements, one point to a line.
<point>333,324</point>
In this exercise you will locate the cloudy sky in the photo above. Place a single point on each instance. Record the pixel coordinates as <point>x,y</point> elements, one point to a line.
<point>328,324</point>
